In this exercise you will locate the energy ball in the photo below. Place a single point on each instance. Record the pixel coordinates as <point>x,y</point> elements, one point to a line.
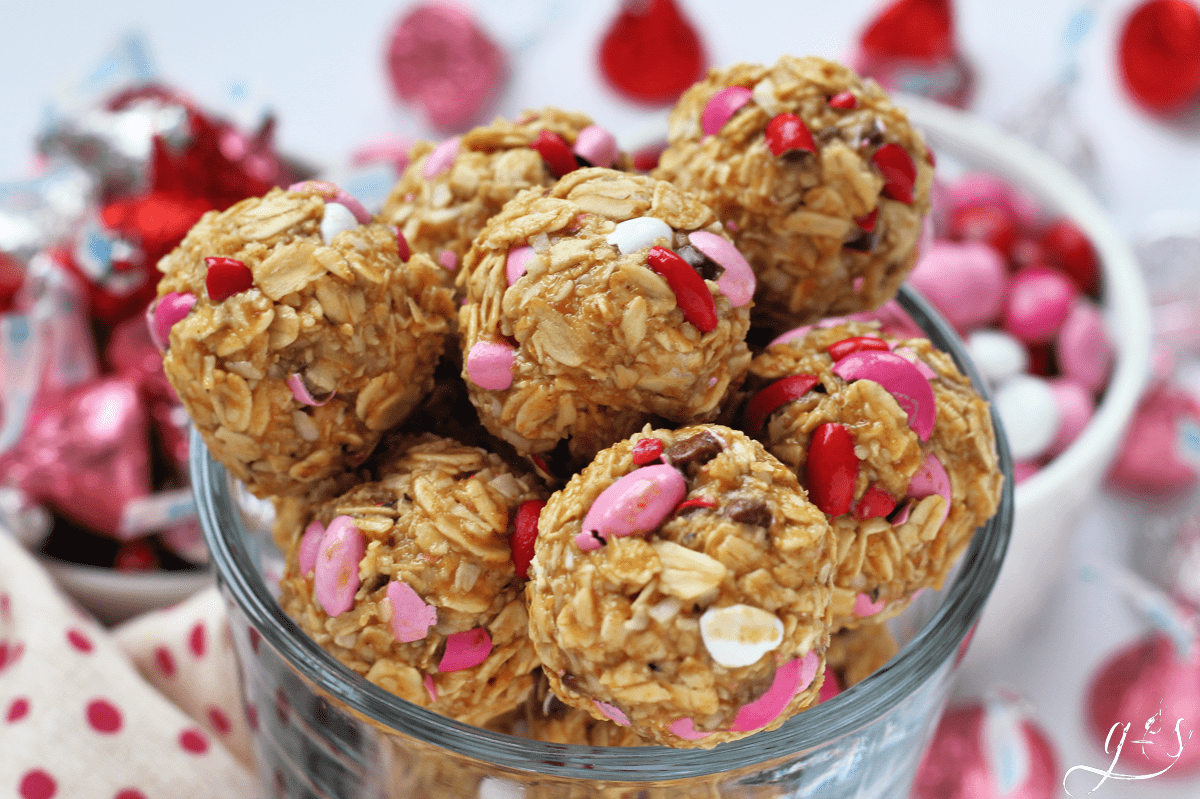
<point>547,718</point>
<point>610,299</point>
<point>819,178</point>
<point>680,588</point>
<point>892,443</point>
<point>450,190</point>
<point>856,654</point>
<point>409,580</point>
<point>295,335</point>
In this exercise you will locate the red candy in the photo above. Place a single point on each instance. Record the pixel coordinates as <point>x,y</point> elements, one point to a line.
<point>525,532</point>
<point>651,52</point>
<point>867,221</point>
<point>646,450</point>
<point>787,132</point>
<point>898,170</point>
<point>698,502</point>
<point>875,503</point>
<point>1069,248</point>
<point>848,346</point>
<point>226,277</point>
<point>831,469</point>
<point>1160,55</point>
<point>773,397</point>
<point>844,100</point>
<point>12,275</point>
<point>555,152</point>
<point>691,294</point>
<point>1038,302</point>
<point>919,29</point>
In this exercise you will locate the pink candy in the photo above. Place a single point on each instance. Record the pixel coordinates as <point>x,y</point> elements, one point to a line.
<point>929,479</point>
<point>310,543</point>
<point>516,263</point>
<point>612,713</point>
<point>1075,409</point>
<point>165,313</point>
<point>865,606</point>
<point>965,281</point>
<point>333,194</point>
<point>411,617</point>
<point>737,282</point>
<point>596,145</point>
<point>829,686</point>
<point>635,503</point>
<point>336,579</point>
<point>901,379</point>
<point>466,650</point>
<point>1084,351</point>
<point>301,392</point>
<point>490,365</point>
<point>441,158</point>
<point>790,679</point>
<point>1038,302</point>
<point>723,105</point>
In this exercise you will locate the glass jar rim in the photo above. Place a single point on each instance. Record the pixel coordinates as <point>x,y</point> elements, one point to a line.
<point>935,643</point>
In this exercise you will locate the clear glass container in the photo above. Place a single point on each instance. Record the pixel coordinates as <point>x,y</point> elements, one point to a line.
<point>321,730</point>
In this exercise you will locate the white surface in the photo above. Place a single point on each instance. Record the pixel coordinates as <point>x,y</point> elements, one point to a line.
<point>319,66</point>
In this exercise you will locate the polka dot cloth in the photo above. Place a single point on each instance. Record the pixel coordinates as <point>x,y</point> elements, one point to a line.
<point>185,652</point>
<point>78,722</point>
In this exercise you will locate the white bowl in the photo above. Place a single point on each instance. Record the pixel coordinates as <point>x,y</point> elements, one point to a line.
<point>115,596</point>
<point>1049,504</point>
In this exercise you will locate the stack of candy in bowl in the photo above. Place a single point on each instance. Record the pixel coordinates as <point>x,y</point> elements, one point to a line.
<point>93,442</point>
<point>546,448</point>
<point>1023,288</point>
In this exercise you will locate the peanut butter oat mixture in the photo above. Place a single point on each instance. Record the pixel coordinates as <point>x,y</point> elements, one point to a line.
<point>819,178</point>
<point>327,339</point>
<point>856,654</point>
<point>914,495</point>
<point>433,610</point>
<point>683,594</point>
<point>593,307</point>
<point>449,191</point>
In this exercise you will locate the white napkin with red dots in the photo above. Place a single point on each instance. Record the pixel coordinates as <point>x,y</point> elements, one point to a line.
<point>77,721</point>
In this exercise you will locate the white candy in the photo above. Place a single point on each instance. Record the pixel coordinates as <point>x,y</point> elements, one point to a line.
<point>337,218</point>
<point>997,355</point>
<point>738,635</point>
<point>634,234</point>
<point>1030,415</point>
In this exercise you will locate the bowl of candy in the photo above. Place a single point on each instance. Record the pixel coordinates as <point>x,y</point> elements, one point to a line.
<point>589,521</point>
<point>1028,268</point>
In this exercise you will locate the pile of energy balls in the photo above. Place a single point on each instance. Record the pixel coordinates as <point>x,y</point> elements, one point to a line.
<point>548,450</point>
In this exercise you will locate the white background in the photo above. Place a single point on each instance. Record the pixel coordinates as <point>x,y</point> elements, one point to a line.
<point>319,66</point>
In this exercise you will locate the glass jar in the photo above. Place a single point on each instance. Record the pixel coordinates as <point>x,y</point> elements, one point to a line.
<point>321,730</point>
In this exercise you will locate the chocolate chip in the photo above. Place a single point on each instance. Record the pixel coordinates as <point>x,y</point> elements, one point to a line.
<point>749,511</point>
<point>697,450</point>
<point>706,267</point>
<point>863,242</point>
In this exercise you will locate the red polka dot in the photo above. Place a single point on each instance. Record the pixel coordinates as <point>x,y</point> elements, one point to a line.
<point>103,716</point>
<point>10,653</point>
<point>5,606</point>
<point>193,741</point>
<point>196,639</point>
<point>18,710</point>
<point>79,640</point>
<point>130,793</point>
<point>218,720</point>
<point>252,717</point>
<point>283,708</point>
<point>255,637</point>
<point>37,784</point>
<point>165,661</point>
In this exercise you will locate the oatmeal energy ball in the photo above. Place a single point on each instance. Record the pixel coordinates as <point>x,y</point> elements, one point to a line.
<point>820,180</point>
<point>410,581</point>
<point>892,443</point>
<point>296,335</point>
<point>450,190</point>
<point>594,306</point>
<point>680,587</point>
